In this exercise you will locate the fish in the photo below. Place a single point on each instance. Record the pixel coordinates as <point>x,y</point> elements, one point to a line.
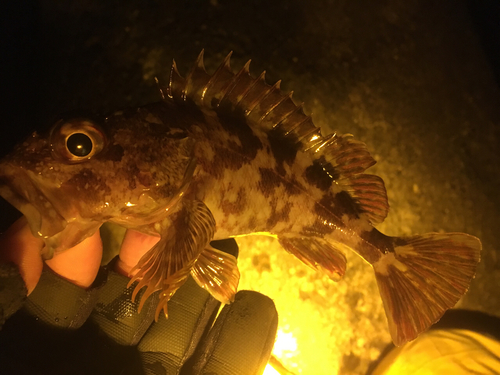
<point>225,155</point>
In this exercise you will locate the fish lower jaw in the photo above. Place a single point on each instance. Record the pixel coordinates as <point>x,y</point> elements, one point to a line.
<point>43,218</point>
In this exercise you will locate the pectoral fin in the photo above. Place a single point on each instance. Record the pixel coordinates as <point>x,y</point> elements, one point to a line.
<point>184,235</point>
<point>217,272</point>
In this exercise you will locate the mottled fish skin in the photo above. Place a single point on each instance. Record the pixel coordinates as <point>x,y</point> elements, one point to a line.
<point>128,181</point>
<point>225,155</point>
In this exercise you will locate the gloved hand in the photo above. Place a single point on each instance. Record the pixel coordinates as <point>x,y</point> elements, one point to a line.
<point>79,319</point>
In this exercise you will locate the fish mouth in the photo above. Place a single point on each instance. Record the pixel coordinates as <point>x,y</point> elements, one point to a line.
<point>22,192</point>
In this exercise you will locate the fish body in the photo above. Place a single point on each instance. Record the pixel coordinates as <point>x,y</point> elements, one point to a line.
<point>226,155</point>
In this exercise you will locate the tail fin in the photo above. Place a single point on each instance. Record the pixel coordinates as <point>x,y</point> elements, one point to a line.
<point>424,276</point>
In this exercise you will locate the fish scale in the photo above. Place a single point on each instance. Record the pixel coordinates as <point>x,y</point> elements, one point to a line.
<point>225,155</point>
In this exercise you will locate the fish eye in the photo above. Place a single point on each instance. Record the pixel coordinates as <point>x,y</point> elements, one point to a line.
<point>76,140</point>
<point>79,144</point>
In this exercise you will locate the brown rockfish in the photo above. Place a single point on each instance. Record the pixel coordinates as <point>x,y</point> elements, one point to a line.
<point>226,155</point>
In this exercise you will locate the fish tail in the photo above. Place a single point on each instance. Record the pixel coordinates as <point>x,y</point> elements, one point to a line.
<point>420,277</point>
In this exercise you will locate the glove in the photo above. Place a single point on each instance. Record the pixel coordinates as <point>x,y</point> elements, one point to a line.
<point>63,328</point>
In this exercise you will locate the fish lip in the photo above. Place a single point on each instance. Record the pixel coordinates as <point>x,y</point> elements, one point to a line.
<point>22,192</point>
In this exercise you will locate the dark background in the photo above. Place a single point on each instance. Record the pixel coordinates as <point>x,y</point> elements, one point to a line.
<point>417,80</point>
<point>45,42</point>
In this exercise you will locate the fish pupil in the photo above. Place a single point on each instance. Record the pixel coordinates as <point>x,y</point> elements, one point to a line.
<point>79,144</point>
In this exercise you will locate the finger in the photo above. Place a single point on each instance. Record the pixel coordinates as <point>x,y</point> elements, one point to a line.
<point>134,246</point>
<point>80,264</point>
<point>19,246</point>
<point>169,343</point>
<point>53,299</point>
<point>164,345</point>
<point>241,340</point>
<point>117,315</point>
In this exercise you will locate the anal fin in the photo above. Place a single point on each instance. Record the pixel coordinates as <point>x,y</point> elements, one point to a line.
<point>317,253</point>
<point>424,276</point>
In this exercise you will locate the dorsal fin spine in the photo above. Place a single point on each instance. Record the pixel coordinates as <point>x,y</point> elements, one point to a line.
<point>253,95</point>
<point>231,92</point>
<point>267,108</point>
<point>163,92</point>
<point>176,84</point>
<point>244,76</point>
<point>199,61</point>
<point>307,131</point>
<point>324,141</point>
<point>260,105</point>
<point>283,110</point>
<point>270,101</point>
<point>271,109</point>
<point>311,135</point>
<point>223,76</point>
<point>248,101</point>
<point>196,81</point>
<point>288,124</point>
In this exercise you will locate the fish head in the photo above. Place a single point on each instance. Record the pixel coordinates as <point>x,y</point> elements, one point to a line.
<point>83,172</point>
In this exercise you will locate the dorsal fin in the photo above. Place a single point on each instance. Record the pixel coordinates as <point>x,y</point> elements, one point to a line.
<point>265,107</point>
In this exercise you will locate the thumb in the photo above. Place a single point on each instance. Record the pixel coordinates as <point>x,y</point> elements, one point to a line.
<point>19,246</point>
<point>80,264</point>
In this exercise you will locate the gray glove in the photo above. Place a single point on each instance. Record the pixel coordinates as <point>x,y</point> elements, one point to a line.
<point>64,329</point>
